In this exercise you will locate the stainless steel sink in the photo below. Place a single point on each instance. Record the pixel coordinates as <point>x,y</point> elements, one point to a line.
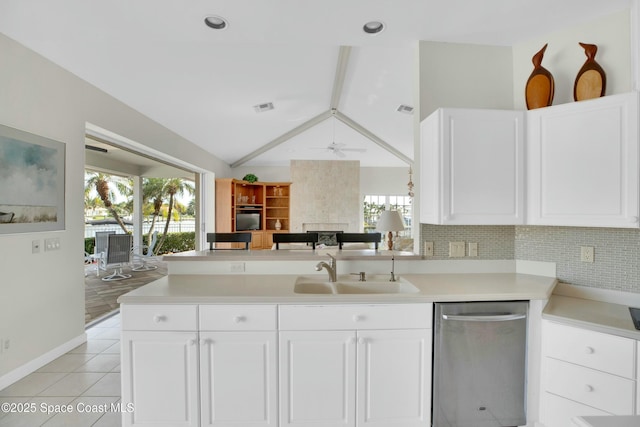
<point>347,284</point>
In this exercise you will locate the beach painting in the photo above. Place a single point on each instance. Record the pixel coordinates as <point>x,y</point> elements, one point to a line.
<point>31,182</point>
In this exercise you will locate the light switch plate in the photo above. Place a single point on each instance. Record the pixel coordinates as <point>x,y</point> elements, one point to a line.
<point>456,249</point>
<point>473,249</point>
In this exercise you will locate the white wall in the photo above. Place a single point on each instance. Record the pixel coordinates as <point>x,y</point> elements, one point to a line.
<point>42,295</point>
<point>464,75</point>
<point>564,57</point>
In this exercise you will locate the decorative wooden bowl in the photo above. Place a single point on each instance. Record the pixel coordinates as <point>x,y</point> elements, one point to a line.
<point>591,81</point>
<point>540,86</point>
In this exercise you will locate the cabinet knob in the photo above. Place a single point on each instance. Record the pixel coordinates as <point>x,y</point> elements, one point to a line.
<point>239,319</point>
<point>358,318</point>
<point>192,341</point>
<point>206,342</point>
<point>588,388</point>
<point>589,350</point>
<point>362,340</point>
<point>159,318</point>
<point>633,219</point>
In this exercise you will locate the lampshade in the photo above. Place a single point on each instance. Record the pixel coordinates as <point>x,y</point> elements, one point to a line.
<point>390,221</point>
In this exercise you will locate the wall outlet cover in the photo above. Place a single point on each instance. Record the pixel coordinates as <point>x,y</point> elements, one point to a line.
<point>456,249</point>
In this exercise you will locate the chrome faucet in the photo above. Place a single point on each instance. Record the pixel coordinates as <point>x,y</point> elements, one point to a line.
<point>331,268</point>
<point>393,269</point>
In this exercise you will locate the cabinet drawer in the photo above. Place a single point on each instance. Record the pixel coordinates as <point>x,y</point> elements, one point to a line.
<point>596,350</point>
<point>357,316</point>
<point>238,317</point>
<point>159,317</point>
<point>600,390</point>
<point>558,411</point>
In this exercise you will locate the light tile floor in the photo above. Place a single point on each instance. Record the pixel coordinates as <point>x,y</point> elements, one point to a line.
<point>86,380</point>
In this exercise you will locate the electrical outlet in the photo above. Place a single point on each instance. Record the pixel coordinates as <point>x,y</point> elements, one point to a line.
<point>456,249</point>
<point>428,248</point>
<point>587,254</point>
<point>236,267</point>
<point>473,249</point>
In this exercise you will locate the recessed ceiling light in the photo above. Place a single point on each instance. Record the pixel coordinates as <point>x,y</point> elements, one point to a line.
<point>406,109</point>
<point>216,22</point>
<point>261,108</point>
<point>373,27</point>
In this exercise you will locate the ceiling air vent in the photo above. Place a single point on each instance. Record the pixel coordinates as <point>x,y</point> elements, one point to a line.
<point>405,109</point>
<point>261,108</point>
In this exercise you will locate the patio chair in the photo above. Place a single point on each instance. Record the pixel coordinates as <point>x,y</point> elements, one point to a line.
<point>141,260</point>
<point>100,249</point>
<point>118,254</point>
<point>374,238</point>
<point>295,238</point>
<point>213,238</point>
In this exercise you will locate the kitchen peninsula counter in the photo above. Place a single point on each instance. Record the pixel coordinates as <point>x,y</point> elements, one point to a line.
<point>279,288</point>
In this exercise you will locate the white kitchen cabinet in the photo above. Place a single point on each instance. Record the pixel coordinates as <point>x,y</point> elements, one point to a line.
<point>208,365</point>
<point>160,365</point>
<point>472,167</point>
<point>355,374</point>
<point>317,378</point>
<point>160,378</point>
<point>585,373</point>
<point>238,363</point>
<point>582,163</point>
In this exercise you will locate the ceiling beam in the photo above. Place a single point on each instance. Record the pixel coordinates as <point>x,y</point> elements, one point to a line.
<point>371,136</point>
<point>341,72</point>
<point>283,138</point>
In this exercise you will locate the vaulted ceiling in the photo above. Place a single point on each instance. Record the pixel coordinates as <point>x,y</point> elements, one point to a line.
<point>328,80</point>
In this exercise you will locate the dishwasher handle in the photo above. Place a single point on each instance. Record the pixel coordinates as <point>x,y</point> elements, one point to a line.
<point>485,318</point>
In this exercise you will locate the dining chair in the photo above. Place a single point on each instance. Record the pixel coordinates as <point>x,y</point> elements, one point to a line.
<point>213,238</point>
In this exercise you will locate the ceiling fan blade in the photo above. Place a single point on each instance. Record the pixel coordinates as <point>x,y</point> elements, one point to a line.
<point>359,150</point>
<point>339,153</point>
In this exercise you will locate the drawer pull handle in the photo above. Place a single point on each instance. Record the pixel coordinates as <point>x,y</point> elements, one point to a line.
<point>192,342</point>
<point>589,350</point>
<point>239,319</point>
<point>159,318</point>
<point>588,388</point>
<point>358,318</point>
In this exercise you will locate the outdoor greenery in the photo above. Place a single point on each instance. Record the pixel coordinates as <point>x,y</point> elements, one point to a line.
<point>175,242</point>
<point>159,198</point>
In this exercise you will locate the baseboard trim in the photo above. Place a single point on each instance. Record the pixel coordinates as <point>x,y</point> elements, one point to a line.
<point>17,374</point>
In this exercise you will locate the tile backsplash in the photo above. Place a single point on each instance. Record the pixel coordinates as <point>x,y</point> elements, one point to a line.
<point>617,251</point>
<point>494,242</point>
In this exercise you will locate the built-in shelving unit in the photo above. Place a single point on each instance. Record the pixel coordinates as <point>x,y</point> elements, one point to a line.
<point>269,200</point>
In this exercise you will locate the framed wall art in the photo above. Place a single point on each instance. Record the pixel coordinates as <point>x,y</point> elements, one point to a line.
<point>32,174</point>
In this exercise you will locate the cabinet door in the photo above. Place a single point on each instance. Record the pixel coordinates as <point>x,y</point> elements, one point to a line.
<point>394,378</point>
<point>160,378</point>
<point>583,163</point>
<point>238,379</point>
<point>317,378</point>
<point>472,167</point>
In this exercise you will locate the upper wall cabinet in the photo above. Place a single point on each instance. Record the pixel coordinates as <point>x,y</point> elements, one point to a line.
<point>472,167</point>
<point>582,163</point>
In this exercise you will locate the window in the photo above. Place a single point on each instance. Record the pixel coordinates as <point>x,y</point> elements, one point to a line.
<point>374,204</point>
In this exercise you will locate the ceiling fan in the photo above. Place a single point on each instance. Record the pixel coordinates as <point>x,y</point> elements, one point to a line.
<point>339,148</point>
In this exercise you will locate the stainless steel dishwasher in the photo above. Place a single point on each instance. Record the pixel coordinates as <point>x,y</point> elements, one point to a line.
<point>479,364</point>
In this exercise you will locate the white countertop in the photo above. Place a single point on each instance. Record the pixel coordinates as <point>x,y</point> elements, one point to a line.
<point>594,315</point>
<point>608,421</point>
<point>302,254</point>
<point>265,288</point>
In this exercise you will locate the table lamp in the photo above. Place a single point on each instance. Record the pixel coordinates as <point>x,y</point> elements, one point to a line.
<point>390,221</point>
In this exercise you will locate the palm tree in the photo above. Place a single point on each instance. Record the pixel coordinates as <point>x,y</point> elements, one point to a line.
<point>173,187</point>
<point>101,183</point>
<point>90,203</point>
<point>152,191</point>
